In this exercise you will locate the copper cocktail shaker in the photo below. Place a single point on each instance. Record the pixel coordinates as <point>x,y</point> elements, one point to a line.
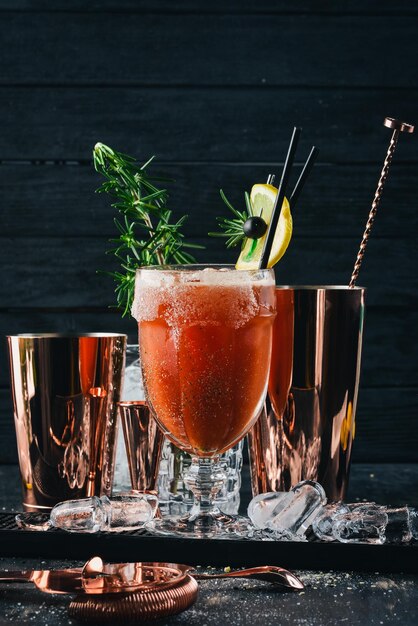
<point>308,426</point>
<point>65,388</point>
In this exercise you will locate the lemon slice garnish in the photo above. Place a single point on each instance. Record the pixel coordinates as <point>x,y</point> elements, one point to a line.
<point>262,200</point>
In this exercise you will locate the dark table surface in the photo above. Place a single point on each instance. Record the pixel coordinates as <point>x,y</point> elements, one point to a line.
<point>329,598</point>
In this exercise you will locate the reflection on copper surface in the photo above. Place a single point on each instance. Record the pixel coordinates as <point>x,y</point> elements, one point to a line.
<point>65,389</point>
<point>310,434</point>
<point>127,577</point>
<point>87,362</point>
<point>143,440</point>
<point>48,581</point>
<point>282,351</point>
<point>96,408</point>
<point>136,606</point>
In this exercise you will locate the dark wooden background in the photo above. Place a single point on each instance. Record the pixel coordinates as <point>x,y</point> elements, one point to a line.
<point>213,89</point>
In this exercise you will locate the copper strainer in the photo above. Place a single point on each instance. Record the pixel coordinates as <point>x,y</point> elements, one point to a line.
<point>133,591</point>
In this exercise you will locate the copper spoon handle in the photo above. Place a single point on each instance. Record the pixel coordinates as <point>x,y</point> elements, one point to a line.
<point>398,127</point>
<point>272,574</point>
<point>16,577</point>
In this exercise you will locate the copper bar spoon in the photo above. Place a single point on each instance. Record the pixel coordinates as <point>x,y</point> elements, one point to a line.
<point>268,573</point>
<point>82,580</point>
<point>398,127</point>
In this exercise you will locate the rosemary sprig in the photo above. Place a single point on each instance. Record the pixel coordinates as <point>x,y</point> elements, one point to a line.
<point>232,228</point>
<point>147,235</point>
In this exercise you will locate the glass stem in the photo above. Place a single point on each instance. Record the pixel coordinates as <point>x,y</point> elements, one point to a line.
<point>204,478</point>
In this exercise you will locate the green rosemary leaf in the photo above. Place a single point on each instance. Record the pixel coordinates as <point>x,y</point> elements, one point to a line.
<point>196,246</point>
<point>183,257</point>
<point>118,226</point>
<point>152,196</point>
<point>216,234</point>
<point>228,204</point>
<point>181,221</point>
<point>233,241</point>
<point>147,162</point>
<point>146,205</point>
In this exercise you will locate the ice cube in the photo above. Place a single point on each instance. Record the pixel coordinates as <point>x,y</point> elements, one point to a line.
<point>261,507</point>
<point>131,511</point>
<point>376,524</point>
<point>91,515</point>
<point>87,515</point>
<point>33,521</point>
<point>288,514</point>
<point>322,525</point>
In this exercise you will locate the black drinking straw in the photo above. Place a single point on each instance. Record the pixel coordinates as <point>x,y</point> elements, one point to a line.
<point>307,168</point>
<point>265,255</point>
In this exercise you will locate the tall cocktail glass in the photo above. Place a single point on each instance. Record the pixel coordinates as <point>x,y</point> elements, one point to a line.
<point>205,335</point>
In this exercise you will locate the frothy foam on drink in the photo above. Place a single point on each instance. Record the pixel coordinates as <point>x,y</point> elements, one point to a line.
<point>204,296</point>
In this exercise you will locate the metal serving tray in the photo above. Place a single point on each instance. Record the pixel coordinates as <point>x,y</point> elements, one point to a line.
<point>139,545</point>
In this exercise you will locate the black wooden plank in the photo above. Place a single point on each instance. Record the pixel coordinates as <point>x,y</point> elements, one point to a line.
<point>390,348</point>
<point>391,484</point>
<point>59,200</point>
<point>202,124</point>
<point>389,357</point>
<point>126,49</point>
<point>384,426</point>
<point>8,448</point>
<point>344,7</point>
<point>58,272</point>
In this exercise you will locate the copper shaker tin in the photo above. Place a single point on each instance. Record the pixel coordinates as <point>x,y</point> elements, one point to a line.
<point>65,388</point>
<point>308,426</point>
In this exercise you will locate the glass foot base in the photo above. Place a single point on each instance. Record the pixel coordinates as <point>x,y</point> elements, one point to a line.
<point>204,526</point>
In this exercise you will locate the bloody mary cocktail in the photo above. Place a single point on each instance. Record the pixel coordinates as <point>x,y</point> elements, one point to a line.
<point>205,341</point>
